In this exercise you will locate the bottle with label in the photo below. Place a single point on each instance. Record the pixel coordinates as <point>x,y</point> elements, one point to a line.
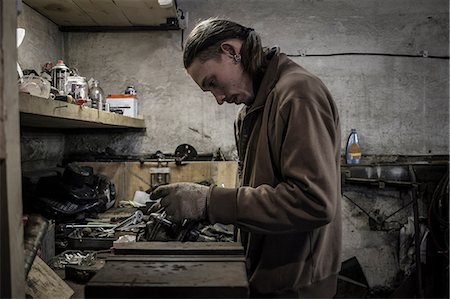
<point>59,73</point>
<point>353,150</point>
<point>97,96</point>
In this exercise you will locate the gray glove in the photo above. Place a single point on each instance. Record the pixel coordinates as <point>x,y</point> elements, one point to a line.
<point>183,200</point>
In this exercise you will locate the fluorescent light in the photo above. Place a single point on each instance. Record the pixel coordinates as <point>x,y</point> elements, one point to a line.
<point>165,3</point>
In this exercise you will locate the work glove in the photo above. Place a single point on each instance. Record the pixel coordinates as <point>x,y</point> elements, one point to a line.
<point>183,200</point>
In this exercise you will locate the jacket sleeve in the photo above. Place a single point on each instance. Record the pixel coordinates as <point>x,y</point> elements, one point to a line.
<point>306,197</point>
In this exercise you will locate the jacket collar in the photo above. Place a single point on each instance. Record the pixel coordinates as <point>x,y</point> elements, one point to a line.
<point>269,79</point>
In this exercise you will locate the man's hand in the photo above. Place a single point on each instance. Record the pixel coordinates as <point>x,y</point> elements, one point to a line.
<point>183,200</point>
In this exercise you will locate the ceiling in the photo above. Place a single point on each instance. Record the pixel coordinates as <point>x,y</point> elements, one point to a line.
<point>101,15</point>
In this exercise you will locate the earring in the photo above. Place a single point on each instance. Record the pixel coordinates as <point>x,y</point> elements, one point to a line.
<point>237,58</point>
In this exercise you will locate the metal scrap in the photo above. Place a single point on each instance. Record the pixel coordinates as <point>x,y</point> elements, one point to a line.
<point>73,257</point>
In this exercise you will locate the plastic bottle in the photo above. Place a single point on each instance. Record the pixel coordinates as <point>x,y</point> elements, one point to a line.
<point>353,150</point>
<point>97,96</point>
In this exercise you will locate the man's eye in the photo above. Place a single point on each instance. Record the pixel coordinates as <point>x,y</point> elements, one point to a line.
<point>211,84</point>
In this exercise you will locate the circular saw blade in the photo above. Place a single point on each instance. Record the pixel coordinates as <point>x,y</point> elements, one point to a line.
<point>185,151</point>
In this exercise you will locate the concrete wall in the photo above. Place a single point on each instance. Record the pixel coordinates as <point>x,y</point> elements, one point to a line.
<point>41,149</point>
<point>398,104</point>
<point>175,109</point>
<point>43,42</point>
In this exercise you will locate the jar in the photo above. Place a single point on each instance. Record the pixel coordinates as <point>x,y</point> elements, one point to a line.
<point>97,96</point>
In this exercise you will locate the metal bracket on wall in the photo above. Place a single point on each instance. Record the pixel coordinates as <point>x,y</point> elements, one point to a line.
<point>424,53</point>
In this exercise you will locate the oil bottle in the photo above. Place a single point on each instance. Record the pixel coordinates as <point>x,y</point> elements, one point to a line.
<point>353,150</point>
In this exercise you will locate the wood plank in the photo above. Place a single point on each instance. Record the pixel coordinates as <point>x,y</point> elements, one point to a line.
<point>62,12</point>
<point>137,177</point>
<point>95,13</point>
<point>2,108</point>
<point>43,282</point>
<point>11,228</point>
<point>134,176</point>
<point>43,113</point>
<point>225,174</point>
<point>169,280</point>
<point>179,248</point>
<point>146,12</point>
<point>103,12</point>
<point>177,258</point>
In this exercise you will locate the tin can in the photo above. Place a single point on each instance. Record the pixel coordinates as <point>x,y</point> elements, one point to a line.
<point>130,90</point>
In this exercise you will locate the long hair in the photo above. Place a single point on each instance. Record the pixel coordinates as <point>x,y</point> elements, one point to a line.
<point>205,39</point>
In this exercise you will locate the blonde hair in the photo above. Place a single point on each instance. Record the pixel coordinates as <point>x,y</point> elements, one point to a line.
<point>205,39</point>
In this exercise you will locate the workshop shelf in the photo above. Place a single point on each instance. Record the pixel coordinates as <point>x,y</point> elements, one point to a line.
<point>43,113</point>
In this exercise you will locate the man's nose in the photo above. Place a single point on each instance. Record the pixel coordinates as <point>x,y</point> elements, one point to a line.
<point>219,98</point>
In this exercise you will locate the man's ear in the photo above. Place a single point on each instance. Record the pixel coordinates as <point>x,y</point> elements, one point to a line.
<point>228,49</point>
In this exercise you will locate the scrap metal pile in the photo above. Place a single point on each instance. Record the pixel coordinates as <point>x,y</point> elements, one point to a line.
<point>145,224</point>
<point>159,228</point>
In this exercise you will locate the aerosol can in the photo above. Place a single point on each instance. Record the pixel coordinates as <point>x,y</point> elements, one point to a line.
<point>60,73</point>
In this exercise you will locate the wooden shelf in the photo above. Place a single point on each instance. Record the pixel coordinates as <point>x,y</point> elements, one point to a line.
<point>83,15</point>
<point>42,113</point>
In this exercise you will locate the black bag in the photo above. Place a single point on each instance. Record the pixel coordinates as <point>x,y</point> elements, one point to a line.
<point>74,192</point>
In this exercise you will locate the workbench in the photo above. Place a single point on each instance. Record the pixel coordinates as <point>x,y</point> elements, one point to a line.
<point>172,270</point>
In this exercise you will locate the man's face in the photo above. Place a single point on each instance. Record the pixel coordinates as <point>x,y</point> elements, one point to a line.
<point>224,78</point>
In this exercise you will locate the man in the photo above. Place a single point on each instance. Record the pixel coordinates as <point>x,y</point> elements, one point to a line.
<point>288,139</point>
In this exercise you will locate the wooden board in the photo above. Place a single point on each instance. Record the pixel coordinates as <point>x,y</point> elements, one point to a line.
<point>139,12</point>
<point>103,12</point>
<point>43,282</point>
<point>179,248</point>
<point>11,222</point>
<point>2,129</point>
<point>62,12</point>
<point>130,177</point>
<point>90,13</point>
<point>171,279</point>
<point>43,113</point>
<point>177,258</point>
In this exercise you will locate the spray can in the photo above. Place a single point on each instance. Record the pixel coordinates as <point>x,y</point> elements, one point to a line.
<point>353,150</point>
<point>60,73</point>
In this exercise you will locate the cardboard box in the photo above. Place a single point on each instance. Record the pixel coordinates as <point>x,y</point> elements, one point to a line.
<point>125,102</point>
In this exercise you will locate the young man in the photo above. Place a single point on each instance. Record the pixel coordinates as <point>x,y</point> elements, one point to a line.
<point>288,138</point>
